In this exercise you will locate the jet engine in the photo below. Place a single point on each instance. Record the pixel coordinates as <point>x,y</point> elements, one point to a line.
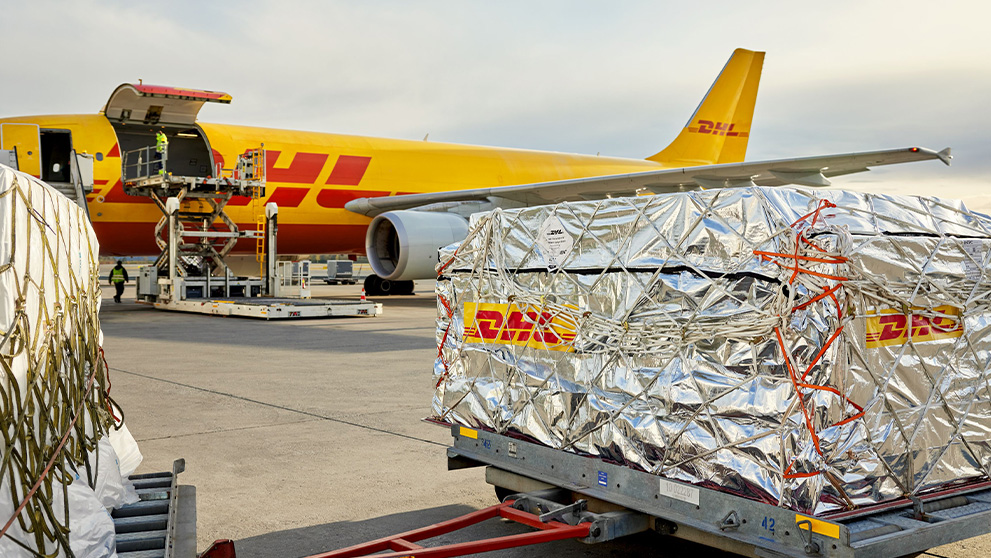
<point>402,245</point>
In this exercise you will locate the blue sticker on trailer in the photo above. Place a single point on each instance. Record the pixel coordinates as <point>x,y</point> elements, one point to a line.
<point>603,478</point>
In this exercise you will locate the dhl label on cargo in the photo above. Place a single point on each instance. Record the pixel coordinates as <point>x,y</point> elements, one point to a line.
<point>509,324</point>
<point>892,327</point>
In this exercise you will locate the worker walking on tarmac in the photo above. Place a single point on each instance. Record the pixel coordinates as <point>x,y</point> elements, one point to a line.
<point>118,276</point>
<point>162,147</point>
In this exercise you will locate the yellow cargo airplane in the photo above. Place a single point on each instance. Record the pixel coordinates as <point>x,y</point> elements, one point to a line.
<point>396,201</point>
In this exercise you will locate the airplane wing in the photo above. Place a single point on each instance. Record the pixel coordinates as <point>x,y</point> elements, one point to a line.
<point>804,171</point>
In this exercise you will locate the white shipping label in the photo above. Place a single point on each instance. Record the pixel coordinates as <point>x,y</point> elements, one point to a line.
<point>972,268</point>
<point>554,242</point>
<point>680,491</point>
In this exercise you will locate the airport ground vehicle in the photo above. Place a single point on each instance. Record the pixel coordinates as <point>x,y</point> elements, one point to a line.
<point>730,522</point>
<point>340,272</point>
<point>564,495</point>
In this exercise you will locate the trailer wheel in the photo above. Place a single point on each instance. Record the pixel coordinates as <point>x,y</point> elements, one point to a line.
<point>503,493</point>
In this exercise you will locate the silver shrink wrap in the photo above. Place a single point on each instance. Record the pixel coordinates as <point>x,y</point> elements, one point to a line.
<point>820,350</point>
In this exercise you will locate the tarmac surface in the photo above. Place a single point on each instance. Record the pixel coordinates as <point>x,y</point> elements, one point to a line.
<point>307,436</point>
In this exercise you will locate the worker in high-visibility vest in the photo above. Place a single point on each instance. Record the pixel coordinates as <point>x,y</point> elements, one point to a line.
<point>162,146</point>
<point>161,142</point>
<point>118,276</point>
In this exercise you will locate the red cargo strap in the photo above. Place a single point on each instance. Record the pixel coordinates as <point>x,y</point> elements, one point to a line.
<point>799,382</point>
<point>404,544</point>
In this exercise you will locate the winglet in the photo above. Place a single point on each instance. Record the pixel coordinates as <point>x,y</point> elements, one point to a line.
<point>719,128</point>
<point>945,156</point>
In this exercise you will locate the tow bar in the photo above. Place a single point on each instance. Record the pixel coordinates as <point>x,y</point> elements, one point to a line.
<point>541,510</point>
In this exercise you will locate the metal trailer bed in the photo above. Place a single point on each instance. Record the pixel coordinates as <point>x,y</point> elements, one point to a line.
<point>274,308</point>
<point>719,519</point>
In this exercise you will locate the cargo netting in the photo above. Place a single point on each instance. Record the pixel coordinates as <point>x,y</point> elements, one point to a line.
<point>820,350</point>
<point>55,406</point>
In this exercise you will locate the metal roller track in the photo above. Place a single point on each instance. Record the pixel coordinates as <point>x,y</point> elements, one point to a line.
<point>163,523</point>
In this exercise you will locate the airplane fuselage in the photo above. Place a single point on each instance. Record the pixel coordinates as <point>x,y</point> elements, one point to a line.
<point>309,175</point>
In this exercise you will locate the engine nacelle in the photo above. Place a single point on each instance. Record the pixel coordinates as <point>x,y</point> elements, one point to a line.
<point>402,245</point>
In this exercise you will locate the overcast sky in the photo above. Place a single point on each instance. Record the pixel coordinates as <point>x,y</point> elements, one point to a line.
<point>617,78</point>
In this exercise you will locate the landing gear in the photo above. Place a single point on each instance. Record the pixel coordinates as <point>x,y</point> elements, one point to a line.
<point>377,286</point>
<point>402,287</point>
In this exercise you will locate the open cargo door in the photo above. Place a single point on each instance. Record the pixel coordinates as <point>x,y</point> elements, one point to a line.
<point>25,140</point>
<point>156,104</point>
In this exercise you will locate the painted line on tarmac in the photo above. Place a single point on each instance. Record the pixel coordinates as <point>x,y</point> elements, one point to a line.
<point>282,407</point>
<point>226,430</point>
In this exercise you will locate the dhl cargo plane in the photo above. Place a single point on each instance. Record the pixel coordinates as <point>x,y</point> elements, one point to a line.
<point>396,201</point>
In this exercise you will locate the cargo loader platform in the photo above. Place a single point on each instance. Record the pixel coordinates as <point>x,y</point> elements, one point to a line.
<point>197,237</point>
<point>274,308</point>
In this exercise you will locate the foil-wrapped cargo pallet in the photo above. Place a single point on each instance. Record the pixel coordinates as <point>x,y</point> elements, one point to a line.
<point>816,350</point>
<point>66,454</point>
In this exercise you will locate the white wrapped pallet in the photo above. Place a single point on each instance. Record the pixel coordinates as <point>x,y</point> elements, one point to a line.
<point>55,410</point>
<point>819,350</point>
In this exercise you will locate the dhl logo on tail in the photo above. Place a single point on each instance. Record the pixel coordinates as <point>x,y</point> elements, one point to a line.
<point>508,324</point>
<point>892,327</point>
<point>717,129</point>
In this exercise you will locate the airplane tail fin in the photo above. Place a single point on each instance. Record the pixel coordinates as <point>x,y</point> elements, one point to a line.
<point>719,129</point>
